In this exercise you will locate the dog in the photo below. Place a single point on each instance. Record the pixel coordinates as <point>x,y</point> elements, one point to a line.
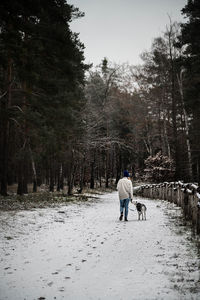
<point>141,209</point>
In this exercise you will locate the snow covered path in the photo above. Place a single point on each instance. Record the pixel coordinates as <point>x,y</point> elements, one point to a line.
<point>82,251</point>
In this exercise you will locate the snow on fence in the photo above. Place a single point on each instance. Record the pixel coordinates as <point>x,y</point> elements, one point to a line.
<point>185,195</point>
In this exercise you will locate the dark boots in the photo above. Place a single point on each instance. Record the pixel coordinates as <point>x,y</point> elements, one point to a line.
<point>121,217</point>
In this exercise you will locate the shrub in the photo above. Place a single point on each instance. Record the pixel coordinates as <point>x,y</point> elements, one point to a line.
<point>159,168</point>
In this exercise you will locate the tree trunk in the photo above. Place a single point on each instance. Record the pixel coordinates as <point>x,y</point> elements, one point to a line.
<point>25,180</point>
<point>107,169</point>
<point>118,168</point>
<point>34,171</point>
<point>20,181</point>
<point>92,175</point>
<point>174,103</point>
<point>82,176</point>
<point>22,173</point>
<point>6,103</point>
<point>71,174</point>
<point>70,183</point>
<point>60,176</point>
<point>4,158</point>
<point>51,184</point>
<point>165,133</point>
<point>189,153</point>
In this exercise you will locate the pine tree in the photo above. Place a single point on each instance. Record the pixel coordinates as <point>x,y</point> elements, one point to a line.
<point>42,73</point>
<point>190,40</point>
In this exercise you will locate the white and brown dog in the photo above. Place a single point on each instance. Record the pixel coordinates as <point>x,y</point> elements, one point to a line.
<point>141,209</point>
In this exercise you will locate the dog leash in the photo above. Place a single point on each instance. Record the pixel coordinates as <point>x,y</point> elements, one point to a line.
<point>132,209</point>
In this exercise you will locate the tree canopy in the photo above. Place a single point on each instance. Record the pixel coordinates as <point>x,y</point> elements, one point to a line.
<point>64,123</point>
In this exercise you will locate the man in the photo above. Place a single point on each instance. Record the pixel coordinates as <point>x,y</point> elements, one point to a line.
<point>125,191</point>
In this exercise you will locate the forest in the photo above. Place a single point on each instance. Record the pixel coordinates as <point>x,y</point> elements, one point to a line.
<point>66,123</point>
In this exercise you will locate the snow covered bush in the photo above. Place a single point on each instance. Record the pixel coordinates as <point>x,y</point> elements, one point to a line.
<point>159,168</point>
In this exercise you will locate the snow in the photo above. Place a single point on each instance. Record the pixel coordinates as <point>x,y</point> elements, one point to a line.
<point>82,251</point>
<point>198,195</point>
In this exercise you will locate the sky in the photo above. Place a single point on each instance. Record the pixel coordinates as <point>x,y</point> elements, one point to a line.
<point>121,30</point>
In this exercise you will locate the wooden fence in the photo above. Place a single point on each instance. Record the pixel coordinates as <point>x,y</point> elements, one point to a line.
<point>184,195</point>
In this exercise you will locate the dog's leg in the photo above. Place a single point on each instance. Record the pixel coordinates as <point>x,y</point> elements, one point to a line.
<point>142,213</point>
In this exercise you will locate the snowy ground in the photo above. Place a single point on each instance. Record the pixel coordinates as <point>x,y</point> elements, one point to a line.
<point>82,251</point>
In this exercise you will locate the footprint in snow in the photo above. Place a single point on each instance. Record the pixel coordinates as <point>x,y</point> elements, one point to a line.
<point>55,273</point>
<point>27,262</point>
<point>49,259</point>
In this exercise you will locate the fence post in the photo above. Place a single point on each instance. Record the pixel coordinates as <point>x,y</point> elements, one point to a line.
<point>186,196</point>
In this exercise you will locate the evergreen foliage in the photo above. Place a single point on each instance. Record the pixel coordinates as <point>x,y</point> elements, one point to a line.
<point>61,126</point>
<point>42,74</point>
<point>190,42</point>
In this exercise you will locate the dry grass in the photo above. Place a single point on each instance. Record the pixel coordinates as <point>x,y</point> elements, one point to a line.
<point>43,198</point>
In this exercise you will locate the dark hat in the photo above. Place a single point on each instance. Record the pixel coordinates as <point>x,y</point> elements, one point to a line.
<point>126,173</point>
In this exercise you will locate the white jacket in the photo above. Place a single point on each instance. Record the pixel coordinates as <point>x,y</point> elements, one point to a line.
<point>125,188</point>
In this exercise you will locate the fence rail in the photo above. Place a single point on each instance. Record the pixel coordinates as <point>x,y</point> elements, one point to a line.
<point>185,195</point>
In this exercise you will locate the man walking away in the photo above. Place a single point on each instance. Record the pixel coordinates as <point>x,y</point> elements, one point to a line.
<point>125,191</point>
